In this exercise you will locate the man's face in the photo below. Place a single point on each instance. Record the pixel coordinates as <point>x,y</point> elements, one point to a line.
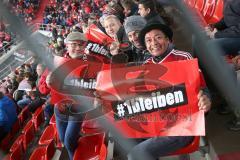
<point>133,38</point>
<point>156,42</point>
<point>76,48</point>
<point>39,70</point>
<point>112,26</point>
<point>126,11</point>
<point>142,11</point>
<point>60,43</point>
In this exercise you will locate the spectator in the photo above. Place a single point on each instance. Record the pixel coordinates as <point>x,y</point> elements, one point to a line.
<point>133,25</point>
<point>112,25</point>
<point>116,31</point>
<point>226,32</point>
<point>68,126</point>
<point>156,38</point>
<point>147,9</point>
<point>25,86</point>
<point>115,9</point>
<point>8,115</point>
<point>42,87</point>
<point>130,8</point>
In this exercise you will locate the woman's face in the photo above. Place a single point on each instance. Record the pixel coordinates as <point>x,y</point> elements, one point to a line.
<point>112,26</point>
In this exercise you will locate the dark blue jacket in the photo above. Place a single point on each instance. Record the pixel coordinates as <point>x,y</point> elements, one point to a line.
<point>8,113</point>
<point>229,26</point>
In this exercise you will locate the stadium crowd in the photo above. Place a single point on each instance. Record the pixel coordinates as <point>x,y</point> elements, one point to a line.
<point>25,9</point>
<point>5,38</point>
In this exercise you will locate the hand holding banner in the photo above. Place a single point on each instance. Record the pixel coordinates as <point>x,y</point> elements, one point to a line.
<point>154,100</point>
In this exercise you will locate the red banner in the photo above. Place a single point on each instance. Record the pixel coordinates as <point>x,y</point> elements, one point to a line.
<point>75,77</point>
<point>153,100</point>
<point>94,34</point>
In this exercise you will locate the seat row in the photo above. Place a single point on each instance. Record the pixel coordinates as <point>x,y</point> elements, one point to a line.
<point>211,11</point>
<point>23,131</point>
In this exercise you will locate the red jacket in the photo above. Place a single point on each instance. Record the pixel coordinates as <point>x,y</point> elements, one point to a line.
<point>176,55</point>
<point>42,85</point>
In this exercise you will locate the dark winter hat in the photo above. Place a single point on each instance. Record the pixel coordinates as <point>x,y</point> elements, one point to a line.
<point>162,27</point>
<point>134,23</point>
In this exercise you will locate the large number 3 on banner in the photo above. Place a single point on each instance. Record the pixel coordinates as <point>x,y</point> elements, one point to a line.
<point>130,81</point>
<point>153,100</point>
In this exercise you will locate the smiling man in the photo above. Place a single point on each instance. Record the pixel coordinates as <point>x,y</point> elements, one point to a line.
<point>133,25</point>
<point>157,38</point>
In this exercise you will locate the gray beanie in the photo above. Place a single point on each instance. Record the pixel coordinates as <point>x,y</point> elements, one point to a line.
<point>134,23</point>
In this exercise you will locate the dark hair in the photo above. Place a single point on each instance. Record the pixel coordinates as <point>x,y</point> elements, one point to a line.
<point>117,10</point>
<point>157,7</point>
<point>127,4</point>
<point>151,4</point>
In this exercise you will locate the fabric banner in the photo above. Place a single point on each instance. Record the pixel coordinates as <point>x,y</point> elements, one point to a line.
<point>153,100</point>
<point>98,41</point>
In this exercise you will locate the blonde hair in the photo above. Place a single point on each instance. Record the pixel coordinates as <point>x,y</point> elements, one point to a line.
<point>111,17</point>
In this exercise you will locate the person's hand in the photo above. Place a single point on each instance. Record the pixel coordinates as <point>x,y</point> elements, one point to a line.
<point>114,48</point>
<point>49,79</point>
<point>204,103</point>
<point>210,31</point>
<point>236,62</point>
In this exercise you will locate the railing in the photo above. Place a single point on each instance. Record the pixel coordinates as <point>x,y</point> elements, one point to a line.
<point>14,64</point>
<point>48,27</point>
<point>8,69</point>
<point>5,47</point>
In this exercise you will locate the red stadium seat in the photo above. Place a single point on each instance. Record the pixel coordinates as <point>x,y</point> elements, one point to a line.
<point>190,148</point>
<point>28,134</point>
<point>43,152</point>
<point>53,123</point>
<point>48,135</point>
<point>103,152</point>
<point>218,13</point>
<point>16,143</point>
<point>91,147</point>
<point>38,117</point>
<point>90,127</point>
<point>209,9</point>
<point>199,5</point>
<point>18,153</point>
<point>29,124</point>
<point>53,120</point>
<point>24,115</point>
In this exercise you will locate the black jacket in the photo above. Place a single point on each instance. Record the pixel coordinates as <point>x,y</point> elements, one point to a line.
<point>154,17</point>
<point>229,26</point>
